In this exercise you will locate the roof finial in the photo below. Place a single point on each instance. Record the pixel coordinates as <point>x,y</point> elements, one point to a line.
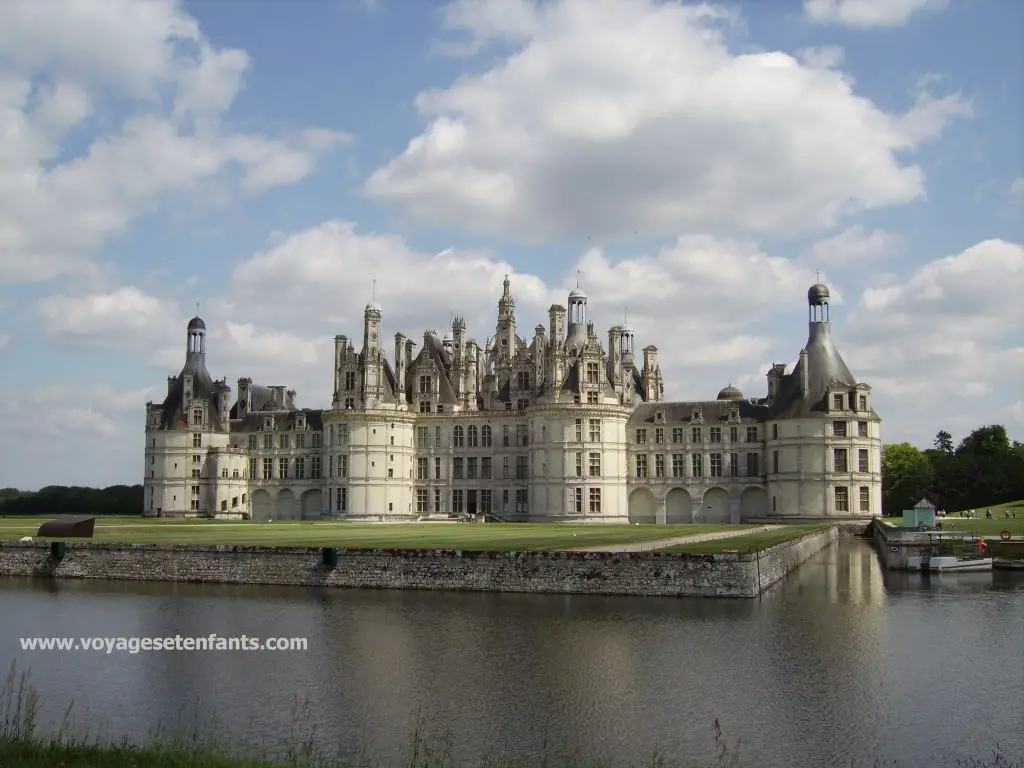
<point>373,290</point>
<point>625,313</point>
<point>197,309</point>
<point>817,275</point>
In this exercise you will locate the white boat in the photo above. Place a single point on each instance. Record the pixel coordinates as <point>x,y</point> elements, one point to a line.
<point>918,562</point>
<point>950,563</point>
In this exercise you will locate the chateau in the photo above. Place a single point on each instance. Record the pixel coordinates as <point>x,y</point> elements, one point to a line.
<point>556,427</point>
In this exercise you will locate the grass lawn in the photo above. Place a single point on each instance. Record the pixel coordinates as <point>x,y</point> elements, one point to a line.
<point>983,527</point>
<point>752,542</point>
<point>463,536</point>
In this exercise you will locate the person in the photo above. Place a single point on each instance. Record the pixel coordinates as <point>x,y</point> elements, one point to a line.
<point>988,514</point>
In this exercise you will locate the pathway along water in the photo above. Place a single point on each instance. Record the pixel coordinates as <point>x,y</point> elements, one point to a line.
<point>839,664</point>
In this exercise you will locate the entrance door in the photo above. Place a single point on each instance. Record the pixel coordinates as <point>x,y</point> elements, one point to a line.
<point>471,502</point>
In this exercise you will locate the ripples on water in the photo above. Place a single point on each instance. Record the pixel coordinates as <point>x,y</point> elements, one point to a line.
<point>839,664</point>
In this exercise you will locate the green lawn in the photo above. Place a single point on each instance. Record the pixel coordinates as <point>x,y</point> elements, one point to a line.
<point>752,542</point>
<point>462,536</point>
<point>981,526</point>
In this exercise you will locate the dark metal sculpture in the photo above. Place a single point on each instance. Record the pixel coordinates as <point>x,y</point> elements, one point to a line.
<point>67,528</point>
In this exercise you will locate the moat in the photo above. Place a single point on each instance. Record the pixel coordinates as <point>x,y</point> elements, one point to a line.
<point>839,664</point>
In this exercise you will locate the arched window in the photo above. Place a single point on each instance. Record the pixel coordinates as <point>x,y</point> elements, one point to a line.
<point>472,435</point>
<point>485,436</point>
<point>457,437</point>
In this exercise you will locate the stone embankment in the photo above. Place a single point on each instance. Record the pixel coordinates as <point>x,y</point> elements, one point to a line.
<point>599,573</point>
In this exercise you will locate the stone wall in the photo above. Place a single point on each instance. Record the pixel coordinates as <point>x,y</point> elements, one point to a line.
<point>640,574</point>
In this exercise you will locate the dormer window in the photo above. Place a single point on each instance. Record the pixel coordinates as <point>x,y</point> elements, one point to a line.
<point>734,414</point>
<point>696,414</point>
<point>268,423</point>
<point>837,402</point>
<point>862,402</point>
<point>197,417</point>
<point>660,417</point>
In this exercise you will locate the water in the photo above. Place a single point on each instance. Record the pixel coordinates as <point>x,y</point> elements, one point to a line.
<point>840,664</point>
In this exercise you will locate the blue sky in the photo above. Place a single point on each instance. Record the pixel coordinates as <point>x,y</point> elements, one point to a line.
<point>695,163</point>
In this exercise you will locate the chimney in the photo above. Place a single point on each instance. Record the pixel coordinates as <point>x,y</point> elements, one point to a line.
<point>244,396</point>
<point>401,364</point>
<point>805,374</point>
<point>556,320</point>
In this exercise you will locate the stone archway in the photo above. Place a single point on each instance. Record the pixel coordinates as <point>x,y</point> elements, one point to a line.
<point>754,504</point>
<point>286,508</point>
<point>262,505</point>
<point>642,507</point>
<point>678,506</point>
<point>312,504</point>
<point>715,506</point>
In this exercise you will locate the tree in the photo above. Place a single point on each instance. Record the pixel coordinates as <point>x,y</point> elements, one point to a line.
<point>907,474</point>
<point>944,442</point>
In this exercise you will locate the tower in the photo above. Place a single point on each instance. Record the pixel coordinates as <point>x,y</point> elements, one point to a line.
<point>373,358</point>
<point>506,327</point>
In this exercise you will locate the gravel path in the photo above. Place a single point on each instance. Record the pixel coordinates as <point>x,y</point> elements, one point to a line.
<point>647,546</point>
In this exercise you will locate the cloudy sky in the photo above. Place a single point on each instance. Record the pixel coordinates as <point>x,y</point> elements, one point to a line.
<point>696,163</point>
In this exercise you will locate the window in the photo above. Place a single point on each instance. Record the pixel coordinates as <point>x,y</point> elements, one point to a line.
<point>458,438</point>
<point>318,439</point>
<point>437,468</point>
<point>197,459</point>
<point>437,437</point>
<point>842,499</point>
<point>641,436</point>
<point>471,437</point>
<point>422,437</point>
<point>195,490</point>
<point>268,442</point>
<point>268,469</point>
<point>342,462</point>
<point>696,465</point>
<point>252,468</point>
<point>485,501</point>
<point>282,468</point>
<point>504,435</point>
<point>839,460</point>
<point>576,501</point>
<point>523,380</point>
<point>471,464</point>
<point>862,402</point>
<point>753,464</point>
<point>422,500</point>
<point>197,417</point>
<point>838,429</point>
<point>865,499</point>
<point>522,405</point>
<point>595,430</point>
<point>677,434</point>
<point>775,431</point>
<point>504,467</point>
<point>592,398</point>
<point>197,440</point>
<point>678,465</point>
<point>485,468</point>
<point>595,464</point>
<point>862,461</point>
<point>300,468</point>
<point>283,443</point>
<point>314,468</point>
<point>734,434</point>
<point>716,465</point>
<point>593,373</point>
<point>752,435</point>
<point>437,499</point>
<point>426,385</point>
<point>300,440</point>
<point>775,462</point>
<point>716,435</point>
<point>194,505</point>
<point>641,465</point>
<point>485,436</point>
<point>457,473</point>
<point>862,429</point>
<point>522,500</point>
<point>197,473</point>
<point>421,469</point>
<point>837,404</point>
<point>734,465</point>
<point>457,501</point>
<point>252,442</point>
<point>350,380</point>
<point>521,468</point>
<point>341,499</point>
<point>595,501</point>
<point>522,436</point>
<point>659,465</point>
<point>579,430</point>
<point>234,473</point>
<point>695,435</point>
<point>424,406</point>
<point>579,463</point>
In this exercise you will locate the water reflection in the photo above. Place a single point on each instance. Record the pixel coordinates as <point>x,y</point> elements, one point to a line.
<point>830,666</point>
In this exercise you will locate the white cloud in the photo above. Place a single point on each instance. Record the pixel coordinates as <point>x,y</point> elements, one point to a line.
<point>623,116</point>
<point>869,14</point>
<point>854,247</point>
<point>70,65</point>
<point>105,318</point>
<point>945,338</point>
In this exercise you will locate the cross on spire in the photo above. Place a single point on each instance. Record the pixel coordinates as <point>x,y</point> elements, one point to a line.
<point>625,312</point>
<point>577,278</point>
<point>373,290</point>
<point>817,275</point>
<point>197,309</point>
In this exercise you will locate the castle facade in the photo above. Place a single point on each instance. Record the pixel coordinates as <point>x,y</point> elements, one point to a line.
<point>553,427</point>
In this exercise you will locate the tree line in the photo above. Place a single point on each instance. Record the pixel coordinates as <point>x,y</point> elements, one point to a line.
<point>72,500</point>
<point>984,469</point>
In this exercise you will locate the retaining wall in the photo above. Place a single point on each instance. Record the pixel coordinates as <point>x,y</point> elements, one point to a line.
<point>603,573</point>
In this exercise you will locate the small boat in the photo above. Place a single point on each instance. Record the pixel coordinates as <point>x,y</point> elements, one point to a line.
<point>1007,564</point>
<point>918,562</point>
<point>951,563</point>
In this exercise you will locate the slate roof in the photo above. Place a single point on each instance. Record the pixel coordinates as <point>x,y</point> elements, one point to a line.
<point>825,368</point>
<point>712,411</point>
<point>253,422</point>
<point>173,407</point>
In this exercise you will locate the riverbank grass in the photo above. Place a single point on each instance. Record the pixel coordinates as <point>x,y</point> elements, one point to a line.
<point>752,542</point>
<point>506,537</point>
